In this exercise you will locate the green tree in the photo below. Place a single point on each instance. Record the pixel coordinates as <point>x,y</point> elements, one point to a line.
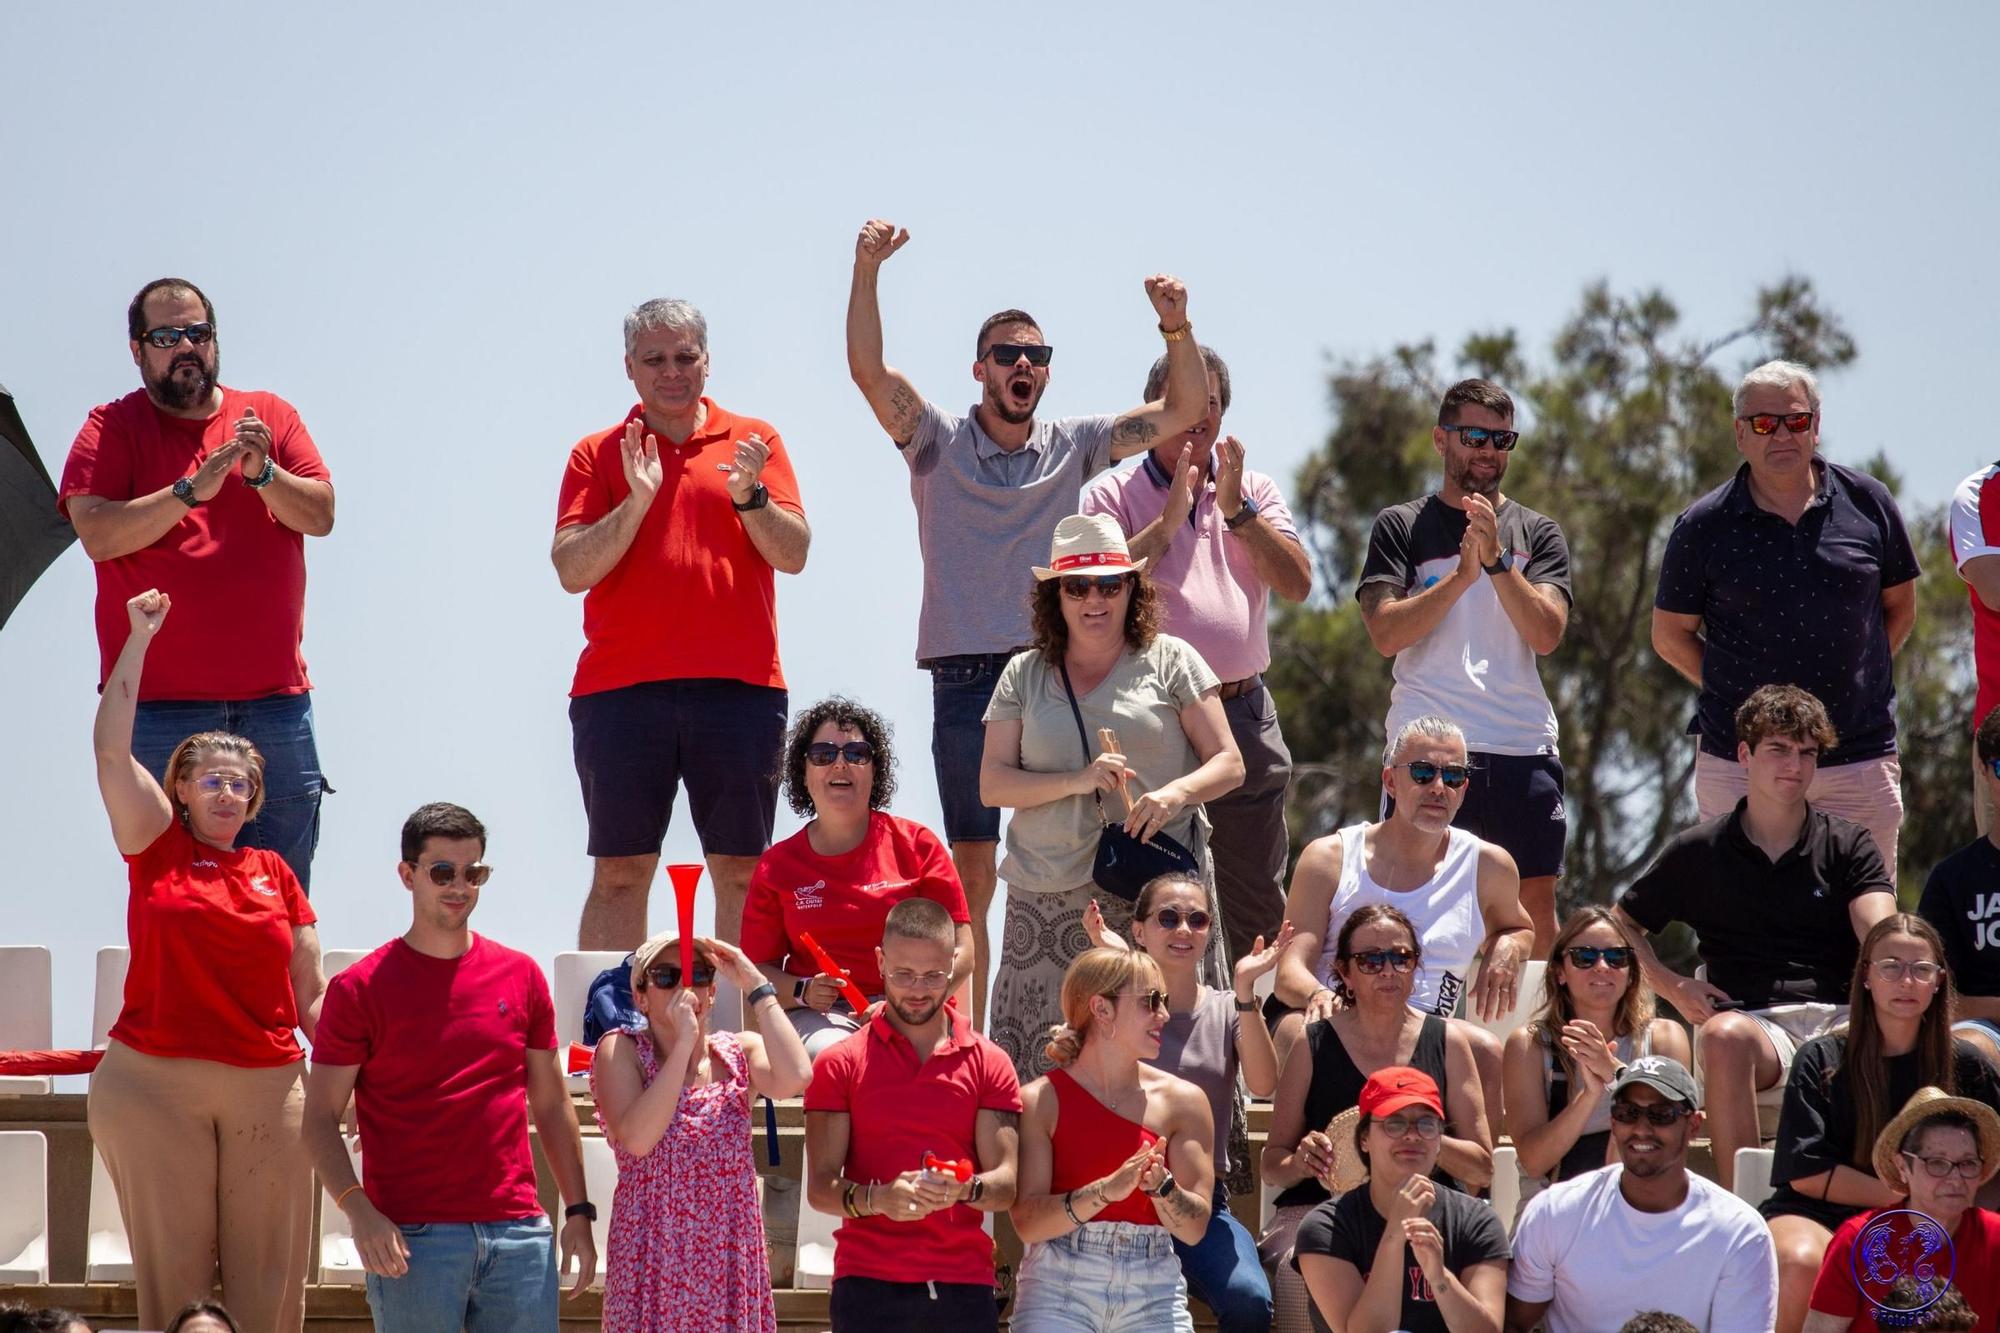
<point>1628,419</point>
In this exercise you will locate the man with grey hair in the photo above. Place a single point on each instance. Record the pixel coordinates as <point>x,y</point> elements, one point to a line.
<point>1796,571</point>
<point>670,524</point>
<point>1218,540</point>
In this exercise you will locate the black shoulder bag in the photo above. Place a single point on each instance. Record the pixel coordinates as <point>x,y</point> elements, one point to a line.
<point>1125,865</point>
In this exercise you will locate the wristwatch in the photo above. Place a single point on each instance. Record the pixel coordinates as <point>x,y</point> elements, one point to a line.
<point>756,997</point>
<point>799,989</point>
<point>184,492</point>
<point>976,1190</point>
<point>1249,1006</point>
<point>1242,515</point>
<point>1166,1186</point>
<point>584,1209</point>
<point>1503,564</point>
<point>759,497</point>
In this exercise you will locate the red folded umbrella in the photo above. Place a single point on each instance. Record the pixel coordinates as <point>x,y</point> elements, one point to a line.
<point>30,1064</point>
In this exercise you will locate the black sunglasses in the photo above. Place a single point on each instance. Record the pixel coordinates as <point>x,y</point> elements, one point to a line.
<point>1170,918</point>
<point>667,976</point>
<point>1767,423</point>
<point>168,336</point>
<point>442,873</point>
<point>1661,1114</point>
<point>1579,956</point>
<point>1006,354</point>
<point>1478,437</point>
<point>1423,772</point>
<point>821,754</point>
<point>1372,961</point>
<point>1077,586</point>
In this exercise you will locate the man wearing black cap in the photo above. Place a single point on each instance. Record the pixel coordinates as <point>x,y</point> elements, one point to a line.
<point>1646,1234</point>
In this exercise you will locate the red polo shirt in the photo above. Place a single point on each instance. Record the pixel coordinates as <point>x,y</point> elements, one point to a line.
<point>691,598</point>
<point>898,1110</point>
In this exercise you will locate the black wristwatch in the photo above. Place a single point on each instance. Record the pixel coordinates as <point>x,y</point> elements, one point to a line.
<point>976,1190</point>
<point>759,497</point>
<point>1166,1186</point>
<point>584,1209</point>
<point>1243,515</point>
<point>1502,565</point>
<point>184,492</point>
<point>1249,1006</point>
<point>799,989</point>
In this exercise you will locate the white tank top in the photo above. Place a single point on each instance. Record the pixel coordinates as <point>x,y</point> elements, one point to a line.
<point>1444,909</point>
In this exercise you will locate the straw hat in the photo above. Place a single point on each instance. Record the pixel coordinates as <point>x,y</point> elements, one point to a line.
<point>1926,1103</point>
<point>1088,544</point>
<point>1387,1091</point>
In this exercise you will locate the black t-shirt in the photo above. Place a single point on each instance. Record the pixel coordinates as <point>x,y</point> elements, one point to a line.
<point>1349,1228</point>
<point>1816,1125</point>
<point>1962,899</point>
<point>1407,536</point>
<point>1770,933</point>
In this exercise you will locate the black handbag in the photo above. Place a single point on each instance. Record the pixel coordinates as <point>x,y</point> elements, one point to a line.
<point>1125,865</point>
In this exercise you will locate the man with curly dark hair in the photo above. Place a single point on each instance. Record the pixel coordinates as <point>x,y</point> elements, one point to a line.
<point>836,879</point>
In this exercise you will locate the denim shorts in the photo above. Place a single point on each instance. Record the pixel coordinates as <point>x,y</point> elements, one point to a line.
<point>1104,1277</point>
<point>484,1277</point>
<point>961,688</point>
<point>281,727</point>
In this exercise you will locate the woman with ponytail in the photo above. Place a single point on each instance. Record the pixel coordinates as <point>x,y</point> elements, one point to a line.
<point>1115,1162</point>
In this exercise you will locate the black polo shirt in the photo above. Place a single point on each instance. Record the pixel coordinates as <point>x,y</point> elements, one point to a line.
<point>1770,933</point>
<point>1792,605</point>
<point>1962,899</point>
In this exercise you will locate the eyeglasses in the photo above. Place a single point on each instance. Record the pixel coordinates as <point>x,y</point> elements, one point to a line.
<point>1006,354</point>
<point>1372,961</point>
<point>1660,1114</point>
<point>1619,958</point>
<point>168,336</point>
<point>1478,437</point>
<point>1940,1168</point>
<point>1425,1126</point>
<point>821,754</point>
<point>1078,586</point>
<point>1172,918</point>
<point>1154,1000</point>
<point>442,873</point>
<point>1895,969</point>
<point>215,784</point>
<point>667,976</point>
<point>1423,772</point>
<point>1767,423</point>
<point>904,979</point>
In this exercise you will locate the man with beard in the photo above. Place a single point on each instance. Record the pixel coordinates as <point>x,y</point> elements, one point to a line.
<point>1465,588</point>
<point>915,1083</point>
<point>989,487</point>
<point>1646,1234</point>
<point>208,493</point>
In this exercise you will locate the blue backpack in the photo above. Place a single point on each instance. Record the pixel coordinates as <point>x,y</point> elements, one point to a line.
<point>610,1004</point>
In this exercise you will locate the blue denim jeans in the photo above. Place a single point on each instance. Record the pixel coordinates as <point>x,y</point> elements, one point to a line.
<point>281,728</point>
<point>483,1277</point>
<point>1104,1277</point>
<point>1226,1273</point>
<point>961,688</point>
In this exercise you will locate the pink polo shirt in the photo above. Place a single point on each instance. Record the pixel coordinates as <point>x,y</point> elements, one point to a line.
<point>1207,582</point>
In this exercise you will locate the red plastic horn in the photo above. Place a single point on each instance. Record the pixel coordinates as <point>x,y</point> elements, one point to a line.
<point>580,1056</point>
<point>685,878</point>
<point>855,999</point>
<point>959,1169</point>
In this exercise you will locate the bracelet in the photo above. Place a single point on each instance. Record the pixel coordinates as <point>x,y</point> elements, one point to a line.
<point>341,1197</point>
<point>847,1200</point>
<point>263,479</point>
<point>868,1201</point>
<point>1070,1207</point>
<point>1176,335</point>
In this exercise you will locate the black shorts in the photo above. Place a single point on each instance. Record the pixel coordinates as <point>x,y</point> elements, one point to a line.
<point>1515,801</point>
<point>877,1306</point>
<point>635,745</point>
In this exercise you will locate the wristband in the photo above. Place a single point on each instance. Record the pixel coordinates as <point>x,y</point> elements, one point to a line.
<point>263,479</point>
<point>847,1199</point>
<point>584,1209</point>
<point>341,1197</point>
<point>764,992</point>
<point>1070,1207</point>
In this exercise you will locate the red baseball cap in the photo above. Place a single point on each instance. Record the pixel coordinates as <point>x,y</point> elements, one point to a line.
<point>1389,1090</point>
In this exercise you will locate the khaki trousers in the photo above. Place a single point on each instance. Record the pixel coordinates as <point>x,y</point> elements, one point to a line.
<point>210,1173</point>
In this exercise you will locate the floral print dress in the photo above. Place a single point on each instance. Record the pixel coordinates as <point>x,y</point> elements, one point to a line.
<point>687,1236</point>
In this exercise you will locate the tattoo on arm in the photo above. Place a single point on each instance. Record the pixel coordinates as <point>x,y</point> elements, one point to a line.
<point>1133,430</point>
<point>905,409</point>
<point>1373,595</point>
<point>1007,1119</point>
<point>1182,1204</point>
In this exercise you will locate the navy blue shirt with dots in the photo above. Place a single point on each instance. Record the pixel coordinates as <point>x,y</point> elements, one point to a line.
<point>1793,605</point>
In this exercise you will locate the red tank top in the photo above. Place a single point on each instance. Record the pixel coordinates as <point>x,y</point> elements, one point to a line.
<point>1090,1143</point>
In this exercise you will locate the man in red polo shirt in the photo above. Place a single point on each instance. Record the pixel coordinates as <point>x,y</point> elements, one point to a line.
<point>670,524</point>
<point>916,1081</point>
<point>208,494</point>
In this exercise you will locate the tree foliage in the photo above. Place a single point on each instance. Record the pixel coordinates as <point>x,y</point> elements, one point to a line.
<point>1625,421</point>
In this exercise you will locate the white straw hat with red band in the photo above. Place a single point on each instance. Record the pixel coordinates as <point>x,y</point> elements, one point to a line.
<point>1088,544</point>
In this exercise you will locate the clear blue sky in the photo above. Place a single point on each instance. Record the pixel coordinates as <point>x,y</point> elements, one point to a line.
<point>422,225</point>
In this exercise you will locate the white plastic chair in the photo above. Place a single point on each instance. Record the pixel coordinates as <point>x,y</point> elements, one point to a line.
<point>112,960</point>
<point>27,1011</point>
<point>1506,1191</point>
<point>333,962</point>
<point>575,970</point>
<point>813,1268</point>
<point>339,1262</point>
<point>1753,1175</point>
<point>108,1250</point>
<point>1527,998</point>
<point>24,1208</point>
<point>600,1182</point>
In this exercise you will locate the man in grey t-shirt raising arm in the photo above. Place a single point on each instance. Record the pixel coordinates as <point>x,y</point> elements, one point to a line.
<point>989,487</point>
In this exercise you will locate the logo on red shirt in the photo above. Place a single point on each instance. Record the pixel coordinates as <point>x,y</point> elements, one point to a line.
<point>261,884</point>
<point>808,895</point>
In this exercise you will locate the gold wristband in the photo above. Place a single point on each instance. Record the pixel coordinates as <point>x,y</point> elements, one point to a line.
<point>1176,335</point>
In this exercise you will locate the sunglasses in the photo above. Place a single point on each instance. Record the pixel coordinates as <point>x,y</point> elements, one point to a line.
<point>1767,423</point>
<point>1478,437</point>
<point>1423,772</point>
<point>1170,918</point>
<point>1006,354</point>
<point>168,336</point>
<point>1372,961</point>
<point>1659,1114</point>
<point>1424,1125</point>
<point>1078,586</point>
<point>667,976</point>
<point>1940,1167</point>
<point>821,754</point>
<point>443,873</point>
<point>1618,958</point>
<point>1154,1000</point>
<point>214,784</point>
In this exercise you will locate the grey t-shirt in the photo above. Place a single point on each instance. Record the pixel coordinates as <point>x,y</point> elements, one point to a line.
<point>1050,847</point>
<point>1200,1046</point>
<point>985,516</point>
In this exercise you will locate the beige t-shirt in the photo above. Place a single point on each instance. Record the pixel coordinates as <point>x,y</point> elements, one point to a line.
<point>1050,847</point>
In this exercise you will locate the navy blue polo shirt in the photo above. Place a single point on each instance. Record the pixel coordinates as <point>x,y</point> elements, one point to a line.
<point>1793,605</point>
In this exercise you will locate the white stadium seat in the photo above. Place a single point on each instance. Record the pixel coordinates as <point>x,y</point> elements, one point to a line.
<point>27,1010</point>
<point>108,1251</point>
<point>332,962</point>
<point>112,960</point>
<point>1753,1175</point>
<point>24,1208</point>
<point>600,1182</point>
<point>1527,999</point>
<point>339,1261</point>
